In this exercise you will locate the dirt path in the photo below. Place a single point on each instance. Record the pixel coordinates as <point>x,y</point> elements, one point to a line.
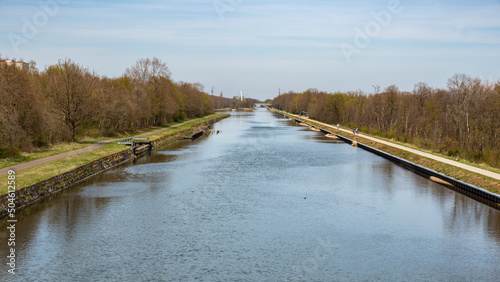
<point>87,149</point>
<point>417,152</point>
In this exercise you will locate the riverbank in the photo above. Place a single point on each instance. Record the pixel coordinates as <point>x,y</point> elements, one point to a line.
<point>35,183</point>
<point>35,158</point>
<point>459,173</point>
<point>263,200</point>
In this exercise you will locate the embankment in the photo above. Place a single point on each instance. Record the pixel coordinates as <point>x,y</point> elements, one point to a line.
<point>33,193</point>
<point>470,190</point>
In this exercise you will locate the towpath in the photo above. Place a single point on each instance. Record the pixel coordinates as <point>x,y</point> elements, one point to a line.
<point>474,169</point>
<point>86,149</point>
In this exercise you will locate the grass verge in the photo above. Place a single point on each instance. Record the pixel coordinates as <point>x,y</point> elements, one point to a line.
<point>478,180</point>
<point>68,147</point>
<point>30,176</point>
<point>192,124</point>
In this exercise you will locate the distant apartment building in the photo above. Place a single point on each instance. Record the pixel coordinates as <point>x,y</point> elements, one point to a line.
<point>19,65</point>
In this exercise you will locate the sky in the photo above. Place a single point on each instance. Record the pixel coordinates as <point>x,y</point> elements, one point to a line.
<point>263,47</point>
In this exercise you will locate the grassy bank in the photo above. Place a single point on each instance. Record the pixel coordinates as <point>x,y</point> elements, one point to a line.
<point>478,180</point>
<point>68,147</point>
<point>41,172</point>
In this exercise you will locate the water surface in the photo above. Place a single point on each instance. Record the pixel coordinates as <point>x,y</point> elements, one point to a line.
<point>264,200</point>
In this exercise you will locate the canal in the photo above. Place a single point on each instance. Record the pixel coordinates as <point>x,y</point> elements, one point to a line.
<point>263,200</point>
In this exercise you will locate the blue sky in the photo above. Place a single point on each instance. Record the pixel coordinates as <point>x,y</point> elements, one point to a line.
<point>260,46</point>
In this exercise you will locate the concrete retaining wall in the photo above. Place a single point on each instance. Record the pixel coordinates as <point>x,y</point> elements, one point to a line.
<point>467,189</point>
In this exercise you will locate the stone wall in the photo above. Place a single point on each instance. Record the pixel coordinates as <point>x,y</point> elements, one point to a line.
<point>59,182</point>
<point>174,136</point>
<point>35,192</point>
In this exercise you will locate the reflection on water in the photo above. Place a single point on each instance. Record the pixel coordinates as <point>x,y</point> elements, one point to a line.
<point>263,200</point>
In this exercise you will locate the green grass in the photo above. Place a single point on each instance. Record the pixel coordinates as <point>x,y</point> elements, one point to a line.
<point>485,182</point>
<point>43,153</point>
<point>185,126</point>
<point>42,172</point>
<point>27,177</point>
<point>68,147</point>
<point>463,161</point>
<point>415,147</point>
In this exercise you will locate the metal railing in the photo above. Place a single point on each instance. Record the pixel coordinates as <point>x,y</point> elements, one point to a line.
<point>133,141</point>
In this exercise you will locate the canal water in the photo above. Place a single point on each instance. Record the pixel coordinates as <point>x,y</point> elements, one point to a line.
<point>263,200</point>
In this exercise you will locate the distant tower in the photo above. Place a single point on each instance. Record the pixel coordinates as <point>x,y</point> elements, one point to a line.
<point>241,94</point>
<point>212,91</point>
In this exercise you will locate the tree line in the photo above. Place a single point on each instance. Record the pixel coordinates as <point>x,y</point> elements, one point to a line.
<point>66,100</point>
<point>462,121</point>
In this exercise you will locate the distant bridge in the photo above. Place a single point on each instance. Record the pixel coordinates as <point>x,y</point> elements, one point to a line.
<point>262,105</point>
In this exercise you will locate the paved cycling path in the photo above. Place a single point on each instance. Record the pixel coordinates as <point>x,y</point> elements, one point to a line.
<point>417,152</point>
<point>86,149</point>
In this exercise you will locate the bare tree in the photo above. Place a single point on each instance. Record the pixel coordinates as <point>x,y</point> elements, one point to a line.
<point>145,69</point>
<point>69,89</point>
<point>64,100</point>
<point>463,90</point>
<point>21,113</point>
